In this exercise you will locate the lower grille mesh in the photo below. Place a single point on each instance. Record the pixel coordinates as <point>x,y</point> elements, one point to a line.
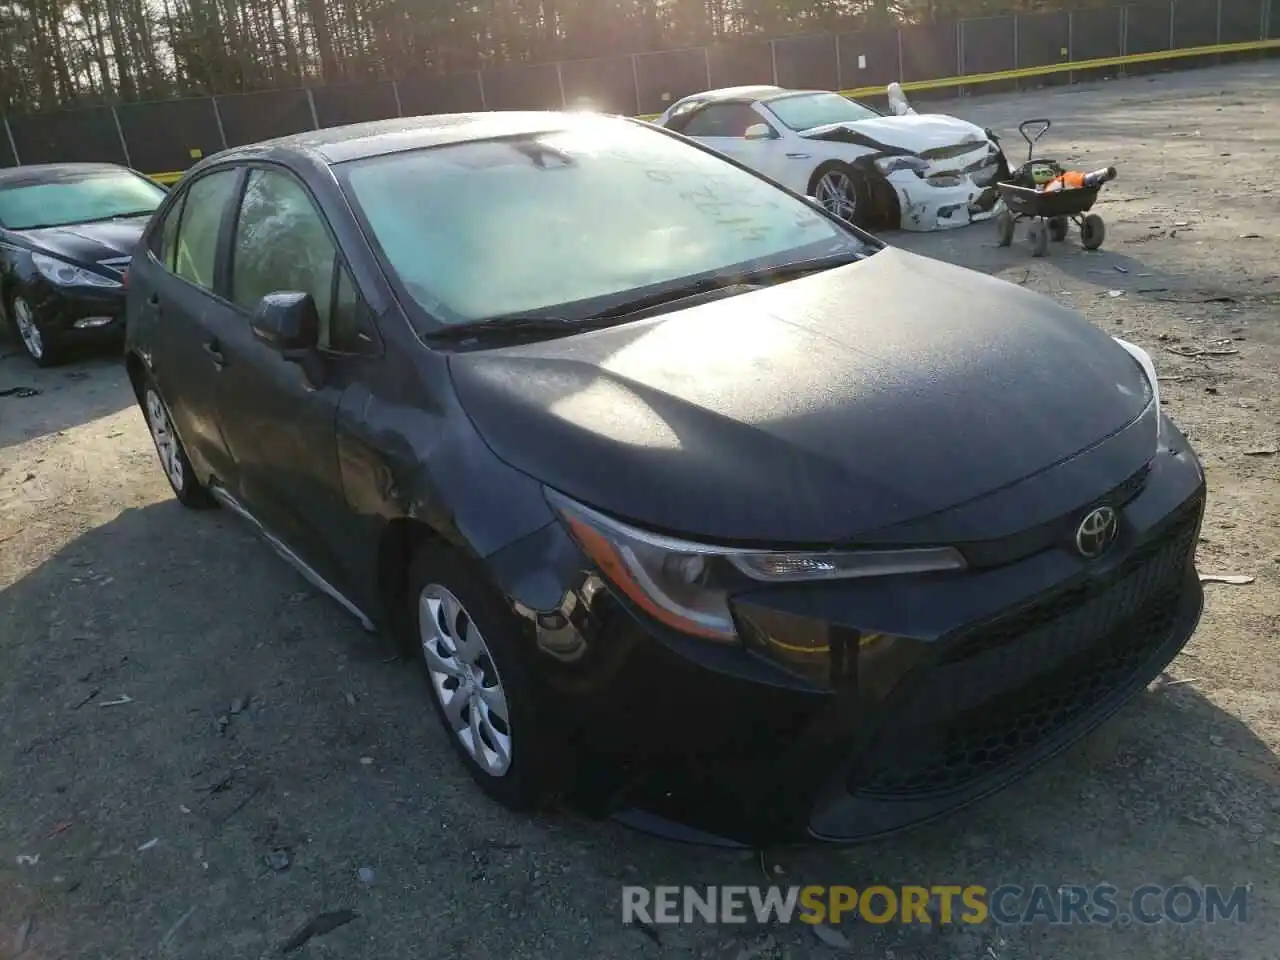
<point>1002,689</point>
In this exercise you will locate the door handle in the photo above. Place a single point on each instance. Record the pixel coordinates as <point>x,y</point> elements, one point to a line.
<point>213,349</point>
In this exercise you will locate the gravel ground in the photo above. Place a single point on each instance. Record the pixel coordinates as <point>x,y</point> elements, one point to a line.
<point>183,716</point>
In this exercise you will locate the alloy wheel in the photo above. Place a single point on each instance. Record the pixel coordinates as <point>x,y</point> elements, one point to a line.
<point>465,679</point>
<point>27,329</point>
<point>838,194</point>
<point>167,446</point>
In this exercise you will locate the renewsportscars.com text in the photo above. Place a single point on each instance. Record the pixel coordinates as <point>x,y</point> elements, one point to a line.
<point>1008,904</point>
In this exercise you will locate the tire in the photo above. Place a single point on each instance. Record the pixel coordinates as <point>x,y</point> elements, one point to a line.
<point>40,346</point>
<point>1004,228</point>
<point>476,663</point>
<point>1039,237</point>
<point>1058,229</point>
<point>173,456</point>
<point>1092,232</point>
<point>843,191</point>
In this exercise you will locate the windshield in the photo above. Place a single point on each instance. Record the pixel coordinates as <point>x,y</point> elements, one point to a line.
<point>818,109</point>
<point>579,217</point>
<point>79,196</point>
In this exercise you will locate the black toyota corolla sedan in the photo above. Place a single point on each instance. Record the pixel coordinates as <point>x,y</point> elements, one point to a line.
<point>67,233</point>
<point>697,505</point>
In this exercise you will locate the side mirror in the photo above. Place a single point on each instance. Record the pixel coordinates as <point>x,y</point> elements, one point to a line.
<point>288,322</point>
<point>759,131</point>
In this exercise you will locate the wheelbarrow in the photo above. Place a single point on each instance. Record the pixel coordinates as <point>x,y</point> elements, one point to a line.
<point>1050,211</point>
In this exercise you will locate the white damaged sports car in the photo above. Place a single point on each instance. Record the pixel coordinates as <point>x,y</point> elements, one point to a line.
<point>919,171</point>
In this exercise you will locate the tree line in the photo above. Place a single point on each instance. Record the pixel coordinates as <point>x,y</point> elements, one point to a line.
<point>63,53</point>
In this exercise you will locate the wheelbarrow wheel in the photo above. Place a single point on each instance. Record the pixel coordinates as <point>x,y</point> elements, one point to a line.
<point>1004,228</point>
<point>1039,237</point>
<point>1092,232</point>
<point>1058,229</point>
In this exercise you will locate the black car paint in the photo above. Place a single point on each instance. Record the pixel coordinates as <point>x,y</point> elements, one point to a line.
<point>349,460</point>
<point>57,307</point>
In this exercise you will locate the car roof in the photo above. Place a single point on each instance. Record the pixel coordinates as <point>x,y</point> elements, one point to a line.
<point>377,137</point>
<point>33,173</point>
<point>758,93</point>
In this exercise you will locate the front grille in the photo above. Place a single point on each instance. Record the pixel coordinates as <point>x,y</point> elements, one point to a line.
<point>1002,689</point>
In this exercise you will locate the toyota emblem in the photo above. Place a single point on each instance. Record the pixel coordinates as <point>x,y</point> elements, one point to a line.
<point>1096,533</point>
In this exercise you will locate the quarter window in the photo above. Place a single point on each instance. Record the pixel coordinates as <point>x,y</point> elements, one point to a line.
<point>169,233</point>
<point>196,251</point>
<point>722,120</point>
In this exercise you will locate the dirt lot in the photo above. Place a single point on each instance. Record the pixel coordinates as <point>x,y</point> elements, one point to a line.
<point>179,707</point>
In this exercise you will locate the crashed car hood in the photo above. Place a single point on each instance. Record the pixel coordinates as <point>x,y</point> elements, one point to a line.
<point>810,411</point>
<point>915,132</point>
<point>88,242</point>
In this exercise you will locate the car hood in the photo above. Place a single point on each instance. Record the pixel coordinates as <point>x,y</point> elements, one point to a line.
<point>915,132</point>
<point>88,242</point>
<point>811,411</point>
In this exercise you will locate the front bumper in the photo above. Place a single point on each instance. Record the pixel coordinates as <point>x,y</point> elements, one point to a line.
<point>977,678</point>
<point>79,314</point>
<point>925,207</point>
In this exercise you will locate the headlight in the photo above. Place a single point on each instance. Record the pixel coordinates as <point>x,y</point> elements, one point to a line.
<point>1149,368</point>
<point>916,165</point>
<point>68,274</point>
<point>687,585</point>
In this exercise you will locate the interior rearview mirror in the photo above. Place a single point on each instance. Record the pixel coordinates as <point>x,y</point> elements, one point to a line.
<point>288,322</point>
<point>759,131</point>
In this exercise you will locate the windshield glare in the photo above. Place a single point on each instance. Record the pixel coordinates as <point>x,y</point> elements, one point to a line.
<point>817,109</point>
<point>77,197</point>
<point>572,217</point>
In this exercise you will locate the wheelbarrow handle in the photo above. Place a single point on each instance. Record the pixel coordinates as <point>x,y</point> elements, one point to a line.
<point>1042,123</point>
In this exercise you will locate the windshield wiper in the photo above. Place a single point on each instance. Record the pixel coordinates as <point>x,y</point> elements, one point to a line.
<point>800,267</point>
<point>508,325</point>
<point>561,326</point>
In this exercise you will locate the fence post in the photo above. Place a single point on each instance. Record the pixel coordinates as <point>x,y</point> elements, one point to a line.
<point>13,144</point>
<point>898,33</point>
<point>217,116</point>
<point>560,80</point>
<point>1124,39</point>
<point>120,133</point>
<point>706,64</point>
<point>839,79</point>
<point>315,117</point>
<point>635,81</point>
<point>963,91</point>
<point>773,59</point>
<point>484,104</point>
<point>395,93</point>
<point>1071,45</point>
<point>1017,84</point>
<point>1173,10</point>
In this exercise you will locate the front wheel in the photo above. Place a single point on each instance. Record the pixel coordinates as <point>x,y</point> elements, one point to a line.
<point>843,191</point>
<point>477,664</point>
<point>173,456</point>
<point>1004,228</point>
<point>1092,232</point>
<point>41,346</point>
<point>1039,237</point>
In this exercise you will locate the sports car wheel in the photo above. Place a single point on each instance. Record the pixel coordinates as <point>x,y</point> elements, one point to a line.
<point>843,191</point>
<point>40,346</point>
<point>173,458</point>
